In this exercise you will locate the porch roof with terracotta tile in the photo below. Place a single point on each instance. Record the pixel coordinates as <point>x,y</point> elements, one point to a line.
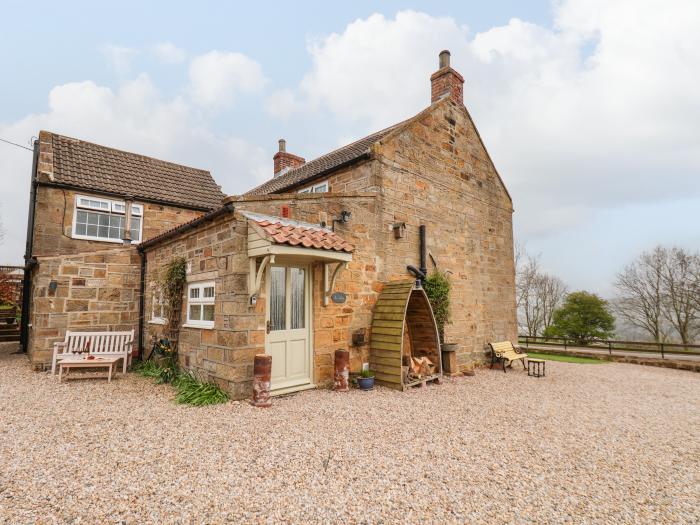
<point>296,233</point>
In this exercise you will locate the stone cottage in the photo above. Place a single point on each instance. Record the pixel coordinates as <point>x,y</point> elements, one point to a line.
<point>90,206</point>
<point>262,270</point>
<point>295,267</point>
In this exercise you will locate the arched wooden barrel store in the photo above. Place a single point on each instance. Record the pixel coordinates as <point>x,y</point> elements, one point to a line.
<point>404,344</point>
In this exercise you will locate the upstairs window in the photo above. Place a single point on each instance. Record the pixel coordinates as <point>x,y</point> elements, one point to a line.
<point>103,219</point>
<point>200,304</point>
<point>321,187</point>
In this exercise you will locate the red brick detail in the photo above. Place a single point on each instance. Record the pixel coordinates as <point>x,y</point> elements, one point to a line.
<point>284,160</point>
<point>446,81</point>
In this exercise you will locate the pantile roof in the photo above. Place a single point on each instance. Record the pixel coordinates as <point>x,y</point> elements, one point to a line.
<point>82,164</point>
<point>322,164</point>
<point>296,233</point>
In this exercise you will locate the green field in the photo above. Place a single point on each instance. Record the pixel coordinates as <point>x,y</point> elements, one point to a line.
<point>566,358</point>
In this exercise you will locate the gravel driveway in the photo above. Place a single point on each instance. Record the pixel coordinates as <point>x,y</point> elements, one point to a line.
<point>588,443</point>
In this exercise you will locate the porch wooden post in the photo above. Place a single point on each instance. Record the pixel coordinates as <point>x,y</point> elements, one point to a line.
<point>262,369</point>
<point>342,370</point>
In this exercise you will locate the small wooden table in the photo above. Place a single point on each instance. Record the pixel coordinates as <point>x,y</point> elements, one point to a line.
<point>535,367</point>
<point>98,362</point>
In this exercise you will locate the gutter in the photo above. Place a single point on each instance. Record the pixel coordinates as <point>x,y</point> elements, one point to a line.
<point>141,249</point>
<point>121,195</point>
<point>29,261</point>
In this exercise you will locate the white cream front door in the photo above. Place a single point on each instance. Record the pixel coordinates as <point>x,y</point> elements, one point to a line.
<point>288,323</point>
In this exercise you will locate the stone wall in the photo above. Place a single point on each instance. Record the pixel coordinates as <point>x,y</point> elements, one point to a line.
<point>97,291</point>
<point>437,173</point>
<point>215,251</point>
<point>53,223</point>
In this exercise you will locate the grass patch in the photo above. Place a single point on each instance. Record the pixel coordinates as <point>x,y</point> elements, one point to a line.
<point>566,358</point>
<point>191,392</point>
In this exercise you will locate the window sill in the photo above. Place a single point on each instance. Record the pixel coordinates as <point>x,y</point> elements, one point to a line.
<point>158,321</point>
<point>200,326</point>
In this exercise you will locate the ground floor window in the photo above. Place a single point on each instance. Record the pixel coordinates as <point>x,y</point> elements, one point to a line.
<point>200,304</point>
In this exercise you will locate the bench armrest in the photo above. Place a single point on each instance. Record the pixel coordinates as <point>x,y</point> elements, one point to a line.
<point>56,346</point>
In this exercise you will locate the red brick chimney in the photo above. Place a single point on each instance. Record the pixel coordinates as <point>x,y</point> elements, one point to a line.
<point>446,81</point>
<point>285,161</point>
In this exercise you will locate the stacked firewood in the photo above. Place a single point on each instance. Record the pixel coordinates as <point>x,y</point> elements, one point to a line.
<point>417,368</point>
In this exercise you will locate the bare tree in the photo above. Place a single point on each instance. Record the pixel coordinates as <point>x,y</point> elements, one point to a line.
<point>529,308</point>
<point>681,287</point>
<point>552,291</point>
<point>641,298</point>
<point>538,294</point>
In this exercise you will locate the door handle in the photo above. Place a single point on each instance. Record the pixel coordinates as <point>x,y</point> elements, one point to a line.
<point>268,327</point>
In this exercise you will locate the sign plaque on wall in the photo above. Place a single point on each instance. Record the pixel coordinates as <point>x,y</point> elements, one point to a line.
<point>338,297</point>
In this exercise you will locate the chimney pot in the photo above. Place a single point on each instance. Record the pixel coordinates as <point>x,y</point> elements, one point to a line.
<point>284,161</point>
<point>444,58</point>
<point>446,82</point>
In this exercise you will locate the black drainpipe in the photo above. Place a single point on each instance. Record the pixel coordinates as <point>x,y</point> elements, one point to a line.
<point>142,287</point>
<point>29,261</point>
<point>421,235</point>
<point>422,272</point>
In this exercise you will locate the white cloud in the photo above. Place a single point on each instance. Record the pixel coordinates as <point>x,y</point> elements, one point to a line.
<point>169,53</point>
<point>282,103</point>
<point>598,111</point>
<point>135,117</point>
<point>120,58</point>
<point>217,77</point>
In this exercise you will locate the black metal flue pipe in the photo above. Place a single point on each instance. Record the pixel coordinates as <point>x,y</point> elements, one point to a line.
<point>421,235</point>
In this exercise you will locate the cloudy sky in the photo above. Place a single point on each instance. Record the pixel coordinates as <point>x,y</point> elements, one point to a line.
<point>590,109</point>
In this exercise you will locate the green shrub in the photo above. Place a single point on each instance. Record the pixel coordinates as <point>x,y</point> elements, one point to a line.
<point>148,369</point>
<point>190,391</point>
<point>437,288</point>
<point>583,318</point>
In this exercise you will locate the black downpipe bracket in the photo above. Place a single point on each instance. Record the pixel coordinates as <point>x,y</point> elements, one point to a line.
<point>29,261</point>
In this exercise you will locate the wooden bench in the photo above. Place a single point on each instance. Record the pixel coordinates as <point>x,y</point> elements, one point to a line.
<point>505,351</point>
<point>100,344</point>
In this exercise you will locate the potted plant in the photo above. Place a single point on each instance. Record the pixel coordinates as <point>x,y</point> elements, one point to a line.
<point>365,380</point>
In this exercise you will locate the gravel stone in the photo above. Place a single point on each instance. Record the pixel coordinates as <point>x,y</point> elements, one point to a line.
<point>613,443</point>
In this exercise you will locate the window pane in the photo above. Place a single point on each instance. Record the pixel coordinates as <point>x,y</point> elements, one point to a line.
<point>321,188</point>
<point>195,312</point>
<point>103,219</point>
<point>208,312</point>
<point>80,229</point>
<point>135,229</point>
<point>103,231</point>
<point>82,217</point>
<point>194,293</point>
<point>136,209</point>
<point>277,298</point>
<point>209,291</point>
<point>297,289</point>
<point>114,233</point>
<point>92,230</point>
<point>121,208</point>
<point>92,218</point>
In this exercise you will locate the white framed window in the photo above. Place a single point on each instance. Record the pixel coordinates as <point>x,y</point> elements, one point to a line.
<point>321,187</point>
<point>158,306</point>
<point>200,304</point>
<point>100,219</point>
